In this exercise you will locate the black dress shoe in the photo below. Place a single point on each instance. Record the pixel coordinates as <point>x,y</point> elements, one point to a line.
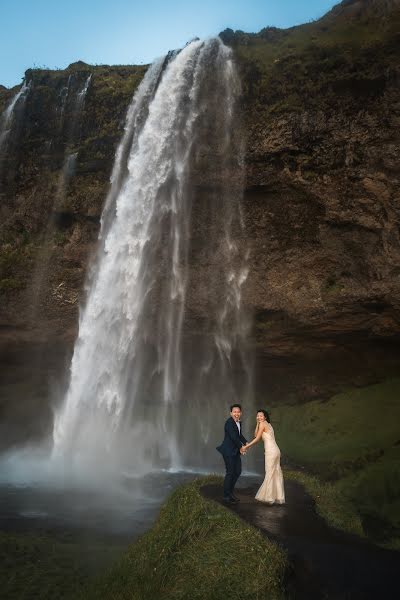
<point>235,498</point>
<point>229,501</point>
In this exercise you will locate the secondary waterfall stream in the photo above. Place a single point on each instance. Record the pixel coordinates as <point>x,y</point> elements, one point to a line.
<point>7,116</point>
<point>10,121</point>
<point>161,350</point>
<point>72,133</point>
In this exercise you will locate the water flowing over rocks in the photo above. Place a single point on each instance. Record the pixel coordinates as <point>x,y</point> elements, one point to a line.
<point>131,391</point>
<point>320,213</point>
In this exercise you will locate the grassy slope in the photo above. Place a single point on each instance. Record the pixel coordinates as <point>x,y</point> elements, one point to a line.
<point>330,503</point>
<point>316,65</point>
<point>196,549</point>
<point>353,440</point>
<point>40,566</point>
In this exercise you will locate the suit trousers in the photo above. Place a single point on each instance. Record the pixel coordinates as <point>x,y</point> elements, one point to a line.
<point>233,466</point>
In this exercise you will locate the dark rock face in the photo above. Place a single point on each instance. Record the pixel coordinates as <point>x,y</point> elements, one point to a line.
<point>324,235</point>
<point>320,113</point>
<point>322,201</point>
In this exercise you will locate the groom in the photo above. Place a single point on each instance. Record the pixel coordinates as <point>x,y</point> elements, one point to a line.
<point>231,450</point>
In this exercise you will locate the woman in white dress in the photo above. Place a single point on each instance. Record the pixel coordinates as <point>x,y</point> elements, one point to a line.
<point>271,490</point>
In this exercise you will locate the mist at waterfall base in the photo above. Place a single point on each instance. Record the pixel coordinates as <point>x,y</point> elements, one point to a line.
<point>162,350</point>
<point>35,498</point>
<point>143,393</point>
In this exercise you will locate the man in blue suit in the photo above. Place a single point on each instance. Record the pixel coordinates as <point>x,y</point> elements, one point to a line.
<point>231,450</point>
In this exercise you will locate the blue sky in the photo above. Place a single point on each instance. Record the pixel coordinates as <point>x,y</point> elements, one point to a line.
<point>55,33</point>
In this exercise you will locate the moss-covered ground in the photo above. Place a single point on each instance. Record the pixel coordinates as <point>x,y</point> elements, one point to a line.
<point>196,549</point>
<point>351,444</point>
<point>45,566</point>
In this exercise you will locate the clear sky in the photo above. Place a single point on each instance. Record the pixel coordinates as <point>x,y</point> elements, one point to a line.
<point>55,33</point>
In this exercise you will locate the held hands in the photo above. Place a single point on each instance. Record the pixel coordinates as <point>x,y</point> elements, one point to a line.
<point>243,449</point>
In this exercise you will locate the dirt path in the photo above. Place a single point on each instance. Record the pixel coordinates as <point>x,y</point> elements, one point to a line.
<point>325,562</point>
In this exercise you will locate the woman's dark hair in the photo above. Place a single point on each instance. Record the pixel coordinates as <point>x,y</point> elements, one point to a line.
<point>235,406</point>
<point>265,413</point>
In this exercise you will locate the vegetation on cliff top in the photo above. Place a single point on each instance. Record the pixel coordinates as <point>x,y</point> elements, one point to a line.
<point>315,65</point>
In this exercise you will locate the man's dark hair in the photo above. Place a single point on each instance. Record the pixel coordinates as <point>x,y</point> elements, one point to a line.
<point>235,406</point>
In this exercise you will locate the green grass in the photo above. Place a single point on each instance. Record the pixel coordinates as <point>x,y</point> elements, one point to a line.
<point>316,65</point>
<point>330,503</point>
<point>42,566</point>
<point>352,443</point>
<point>346,433</point>
<point>196,549</point>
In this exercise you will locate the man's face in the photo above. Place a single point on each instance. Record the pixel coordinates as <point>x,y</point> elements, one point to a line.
<point>236,413</point>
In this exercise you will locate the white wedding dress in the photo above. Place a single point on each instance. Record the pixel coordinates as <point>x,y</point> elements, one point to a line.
<point>271,490</point>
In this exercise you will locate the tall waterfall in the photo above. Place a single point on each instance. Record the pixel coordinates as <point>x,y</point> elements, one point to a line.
<point>161,349</point>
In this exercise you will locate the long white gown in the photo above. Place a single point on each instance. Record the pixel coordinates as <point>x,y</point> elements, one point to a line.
<point>271,490</point>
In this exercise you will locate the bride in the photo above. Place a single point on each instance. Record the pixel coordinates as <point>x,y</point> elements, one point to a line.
<point>271,490</point>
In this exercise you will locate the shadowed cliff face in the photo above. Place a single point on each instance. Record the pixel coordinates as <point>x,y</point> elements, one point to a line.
<point>320,116</point>
<point>322,201</point>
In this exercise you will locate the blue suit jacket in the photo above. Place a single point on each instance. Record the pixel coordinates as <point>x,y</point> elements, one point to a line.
<point>232,440</point>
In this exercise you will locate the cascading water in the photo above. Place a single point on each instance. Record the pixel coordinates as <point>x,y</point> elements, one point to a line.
<point>82,93</point>
<point>70,158</point>
<point>137,380</point>
<point>67,172</point>
<point>72,134</point>
<point>70,113</point>
<point>63,95</point>
<point>7,117</point>
<point>9,120</point>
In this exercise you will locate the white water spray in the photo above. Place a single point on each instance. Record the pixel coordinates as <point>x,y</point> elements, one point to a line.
<point>128,397</point>
<point>63,95</point>
<point>80,99</point>
<point>7,118</point>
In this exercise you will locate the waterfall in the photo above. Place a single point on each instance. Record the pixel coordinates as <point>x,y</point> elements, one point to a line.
<point>38,282</point>
<point>63,95</point>
<point>80,99</point>
<point>71,157</point>
<point>74,123</point>
<point>67,172</point>
<point>134,385</point>
<point>6,119</point>
<point>9,121</point>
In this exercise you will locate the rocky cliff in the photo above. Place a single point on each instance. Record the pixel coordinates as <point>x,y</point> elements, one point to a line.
<point>320,113</point>
<point>321,107</point>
